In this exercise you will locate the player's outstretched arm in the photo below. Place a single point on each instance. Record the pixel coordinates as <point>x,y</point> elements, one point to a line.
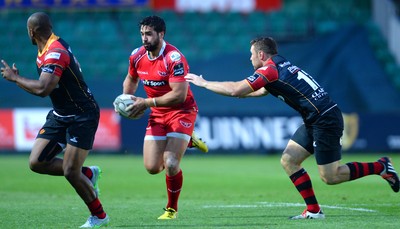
<point>227,88</point>
<point>260,92</point>
<point>42,87</point>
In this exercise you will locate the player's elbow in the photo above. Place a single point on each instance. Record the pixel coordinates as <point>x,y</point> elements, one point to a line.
<point>180,99</point>
<point>237,90</point>
<point>233,94</point>
<point>236,93</point>
<point>42,90</point>
<point>42,93</point>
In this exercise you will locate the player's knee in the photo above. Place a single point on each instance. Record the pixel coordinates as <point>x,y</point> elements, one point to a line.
<point>154,169</point>
<point>171,164</point>
<point>71,174</point>
<point>287,161</point>
<point>35,165</point>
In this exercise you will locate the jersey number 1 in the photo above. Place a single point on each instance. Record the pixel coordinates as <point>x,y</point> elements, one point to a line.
<point>301,75</point>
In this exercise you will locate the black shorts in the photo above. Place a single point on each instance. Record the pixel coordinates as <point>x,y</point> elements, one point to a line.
<point>78,130</point>
<point>323,138</point>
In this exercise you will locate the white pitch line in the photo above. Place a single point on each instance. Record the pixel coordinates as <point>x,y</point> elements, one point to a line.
<point>267,204</point>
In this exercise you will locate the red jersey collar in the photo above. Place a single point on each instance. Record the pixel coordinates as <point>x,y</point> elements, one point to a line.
<point>51,39</point>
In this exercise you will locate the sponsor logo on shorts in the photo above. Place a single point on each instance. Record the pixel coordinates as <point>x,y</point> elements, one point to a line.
<point>42,131</point>
<point>74,139</point>
<point>314,144</point>
<point>185,124</point>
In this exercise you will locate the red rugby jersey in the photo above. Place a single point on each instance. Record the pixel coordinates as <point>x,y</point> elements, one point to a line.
<point>156,74</point>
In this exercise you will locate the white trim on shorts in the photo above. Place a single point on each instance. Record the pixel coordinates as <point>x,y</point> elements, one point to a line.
<point>172,134</point>
<point>62,116</point>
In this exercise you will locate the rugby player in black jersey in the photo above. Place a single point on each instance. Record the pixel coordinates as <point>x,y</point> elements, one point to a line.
<point>73,121</point>
<point>321,132</point>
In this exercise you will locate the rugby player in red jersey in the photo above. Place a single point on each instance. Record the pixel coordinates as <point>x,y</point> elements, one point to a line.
<point>161,68</point>
<point>72,121</point>
<point>321,132</point>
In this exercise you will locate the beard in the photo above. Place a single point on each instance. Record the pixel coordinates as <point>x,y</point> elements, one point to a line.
<point>151,46</point>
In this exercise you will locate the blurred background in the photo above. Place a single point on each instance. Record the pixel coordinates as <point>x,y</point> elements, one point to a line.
<point>350,47</point>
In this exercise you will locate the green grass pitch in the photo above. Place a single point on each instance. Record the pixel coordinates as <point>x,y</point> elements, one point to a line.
<point>219,192</point>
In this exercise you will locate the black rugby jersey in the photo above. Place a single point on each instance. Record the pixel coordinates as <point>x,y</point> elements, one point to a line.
<point>293,86</point>
<point>72,95</point>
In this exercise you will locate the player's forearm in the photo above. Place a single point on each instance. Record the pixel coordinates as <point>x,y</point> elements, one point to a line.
<point>167,100</point>
<point>34,87</point>
<point>258,93</point>
<point>129,86</point>
<point>222,88</point>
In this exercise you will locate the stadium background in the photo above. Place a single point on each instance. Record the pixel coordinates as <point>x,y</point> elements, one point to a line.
<point>348,47</point>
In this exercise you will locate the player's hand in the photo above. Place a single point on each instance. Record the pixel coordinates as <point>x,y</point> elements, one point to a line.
<point>8,73</point>
<point>138,108</point>
<point>196,80</point>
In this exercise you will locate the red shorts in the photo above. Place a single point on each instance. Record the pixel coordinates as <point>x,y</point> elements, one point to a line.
<point>171,123</point>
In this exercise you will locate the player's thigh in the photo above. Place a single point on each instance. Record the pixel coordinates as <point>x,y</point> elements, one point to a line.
<point>50,135</point>
<point>179,131</point>
<point>153,151</point>
<point>294,154</point>
<point>38,147</point>
<point>299,146</point>
<point>176,147</point>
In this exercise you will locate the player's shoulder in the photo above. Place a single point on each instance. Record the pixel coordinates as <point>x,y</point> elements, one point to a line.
<point>137,53</point>
<point>269,65</point>
<point>172,54</point>
<point>57,46</point>
<point>56,51</point>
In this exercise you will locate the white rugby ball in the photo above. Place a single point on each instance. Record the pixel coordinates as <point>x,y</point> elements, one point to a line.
<point>121,103</point>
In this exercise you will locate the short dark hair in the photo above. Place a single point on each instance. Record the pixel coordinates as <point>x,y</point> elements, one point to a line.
<point>265,44</point>
<point>157,23</point>
<point>40,23</point>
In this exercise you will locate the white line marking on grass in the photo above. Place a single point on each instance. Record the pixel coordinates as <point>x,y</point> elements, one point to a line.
<point>271,205</point>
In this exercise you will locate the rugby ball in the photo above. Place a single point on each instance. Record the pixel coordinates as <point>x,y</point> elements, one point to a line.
<point>121,103</point>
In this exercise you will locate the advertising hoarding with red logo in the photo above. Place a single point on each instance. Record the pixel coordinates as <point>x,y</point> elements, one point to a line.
<point>6,129</point>
<point>244,6</point>
<point>108,135</point>
<point>19,127</point>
